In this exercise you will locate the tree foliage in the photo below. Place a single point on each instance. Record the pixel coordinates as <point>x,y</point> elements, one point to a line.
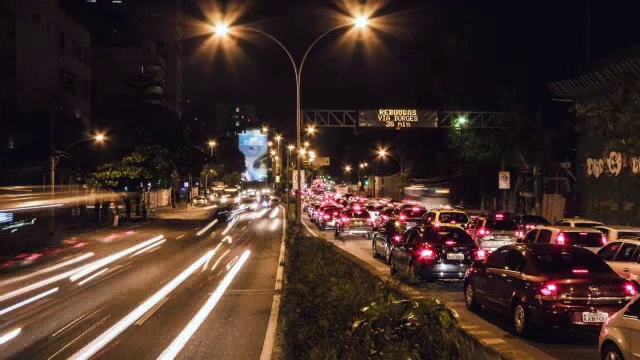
<point>615,118</point>
<point>231,179</point>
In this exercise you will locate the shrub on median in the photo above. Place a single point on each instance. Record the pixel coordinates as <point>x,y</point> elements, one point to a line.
<point>333,309</point>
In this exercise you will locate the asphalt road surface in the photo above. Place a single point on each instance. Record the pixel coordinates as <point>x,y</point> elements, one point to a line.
<point>185,287</point>
<point>493,327</point>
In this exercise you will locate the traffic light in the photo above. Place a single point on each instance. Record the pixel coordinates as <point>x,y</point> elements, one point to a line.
<point>366,182</point>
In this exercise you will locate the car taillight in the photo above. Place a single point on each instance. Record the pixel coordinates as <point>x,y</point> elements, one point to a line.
<point>580,271</point>
<point>529,227</point>
<point>385,217</point>
<point>450,242</point>
<point>519,233</point>
<point>560,239</point>
<point>402,218</point>
<point>481,255</point>
<point>396,238</point>
<point>326,217</point>
<point>630,289</point>
<point>426,253</point>
<point>604,240</point>
<point>344,220</point>
<point>548,291</point>
<point>484,232</point>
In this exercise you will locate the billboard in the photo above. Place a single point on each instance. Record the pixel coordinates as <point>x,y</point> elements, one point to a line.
<point>398,118</point>
<point>253,144</point>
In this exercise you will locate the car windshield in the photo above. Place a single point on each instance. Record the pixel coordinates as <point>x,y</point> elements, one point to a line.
<point>589,239</point>
<point>534,219</point>
<point>413,213</point>
<point>565,262</point>
<point>450,233</point>
<point>453,218</point>
<point>501,225</point>
<point>359,214</point>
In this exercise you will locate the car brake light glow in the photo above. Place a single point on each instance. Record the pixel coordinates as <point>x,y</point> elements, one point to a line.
<point>427,253</point>
<point>499,216</point>
<point>549,290</point>
<point>396,238</point>
<point>402,218</point>
<point>484,232</point>
<point>630,289</point>
<point>580,271</point>
<point>436,224</point>
<point>481,255</point>
<point>326,217</point>
<point>344,219</point>
<point>415,209</point>
<point>560,239</point>
<point>450,242</point>
<point>604,240</point>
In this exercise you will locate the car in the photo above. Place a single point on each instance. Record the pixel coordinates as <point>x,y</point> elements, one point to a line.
<point>386,236</point>
<point>225,212</point>
<point>578,222</point>
<point>249,203</point>
<point>412,216</point>
<point>328,217</point>
<point>386,214</point>
<point>620,335</point>
<point>622,256</point>
<point>615,232</point>
<point>529,222</point>
<point>354,222</point>
<point>431,252</point>
<point>449,217</point>
<point>200,201</point>
<point>374,210</point>
<point>588,238</point>
<point>494,231</point>
<point>554,285</point>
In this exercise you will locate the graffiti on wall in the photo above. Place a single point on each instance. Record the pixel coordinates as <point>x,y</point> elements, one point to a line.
<point>612,163</point>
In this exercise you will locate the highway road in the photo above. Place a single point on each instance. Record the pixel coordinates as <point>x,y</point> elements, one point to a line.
<point>183,287</point>
<point>550,343</point>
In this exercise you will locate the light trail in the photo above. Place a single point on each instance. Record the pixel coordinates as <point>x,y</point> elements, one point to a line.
<point>49,269</point>
<point>178,344</point>
<point>92,277</point>
<point>93,347</point>
<point>204,229</point>
<point>28,301</point>
<point>274,213</point>
<point>149,247</point>
<point>10,335</point>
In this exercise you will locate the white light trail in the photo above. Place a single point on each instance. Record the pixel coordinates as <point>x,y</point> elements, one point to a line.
<point>28,301</point>
<point>10,335</point>
<point>275,224</point>
<point>98,343</point>
<point>274,213</point>
<point>33,207</point>
<point>92,277</point>
<point>89,268</point>
<point>178,344</point>
<point>49,269</point>
<point>149,247</point>
<point>204,229</point>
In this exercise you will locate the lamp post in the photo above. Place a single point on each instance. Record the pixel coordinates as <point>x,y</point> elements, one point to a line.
<point>359,22</point>
<point>278,165</point>
<point>383,154</point>
<point>288,173</point>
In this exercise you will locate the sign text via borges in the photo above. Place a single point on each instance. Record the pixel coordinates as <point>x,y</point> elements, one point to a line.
<point>398,118</point>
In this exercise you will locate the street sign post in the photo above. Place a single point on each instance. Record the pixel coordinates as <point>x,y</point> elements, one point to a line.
<point>295,176</point>
<point>504,180</point>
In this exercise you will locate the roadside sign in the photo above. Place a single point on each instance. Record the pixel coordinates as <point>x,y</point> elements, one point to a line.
<point>504,180</point>
<point>277,178</point>
<point>321,161</point>
<point>295,176</point>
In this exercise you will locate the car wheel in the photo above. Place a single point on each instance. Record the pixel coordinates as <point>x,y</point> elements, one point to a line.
<point>520,319</point>
<point>373,249</point>
<point>470,298</point>
<point>611,352</point>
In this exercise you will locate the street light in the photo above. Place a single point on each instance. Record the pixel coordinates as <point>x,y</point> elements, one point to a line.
<point>311,130</point>
<point>360,22</point>
<point>212,144</point>
<point>278,167</point>
<point>265,129</point>
<point>347,169</point>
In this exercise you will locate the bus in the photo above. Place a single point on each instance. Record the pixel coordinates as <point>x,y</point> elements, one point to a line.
<point>429,196</point>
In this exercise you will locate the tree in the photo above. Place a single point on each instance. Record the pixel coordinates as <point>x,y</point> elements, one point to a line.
<point>615,117</point>
<point>231,179</point>
<point>229,157</point>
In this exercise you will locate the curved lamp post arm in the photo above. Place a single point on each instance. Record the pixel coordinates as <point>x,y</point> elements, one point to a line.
<point>306,53</point>
<point>58,154</point>
<point>293,62</point>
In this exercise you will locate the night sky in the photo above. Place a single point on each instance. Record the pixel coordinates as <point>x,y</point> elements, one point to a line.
<point>492,55</point>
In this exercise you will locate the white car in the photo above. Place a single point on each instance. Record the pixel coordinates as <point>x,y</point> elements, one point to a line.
<point>622,256</point>
<point>587,238</point>
<point>615,232</point>
<point>620,333</point>
<point>578,222</point>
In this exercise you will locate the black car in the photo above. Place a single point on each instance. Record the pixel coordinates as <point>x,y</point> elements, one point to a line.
<point>384,240</point>
<point>551,284</point>
<point>224,213</point>
<point>431,252</point>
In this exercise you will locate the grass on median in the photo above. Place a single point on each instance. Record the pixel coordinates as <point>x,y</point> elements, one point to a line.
<point>333,309</point>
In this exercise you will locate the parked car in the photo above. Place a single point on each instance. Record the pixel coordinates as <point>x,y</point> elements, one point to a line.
<point>615,232</point>
<point>588,238</point>
<point>578,222</point>
<point>200,201</point>
<point>385,238</point>
<point>431,252</point>
<point>558,285</point>
<point>620,334</point>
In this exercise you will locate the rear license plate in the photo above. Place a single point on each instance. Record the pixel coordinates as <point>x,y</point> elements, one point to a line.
<point>495,243</point>
<point>455,256</point>
<point>503,237</point>
<point>589,317</point>
<point>411,224</point>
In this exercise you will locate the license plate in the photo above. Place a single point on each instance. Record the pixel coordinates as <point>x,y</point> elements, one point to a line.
<point>411,224</point>
<point>495,243</point>
<point>357,223</point>
<point>504,237</point>
<point>455,256</point>
<point>589,317</point>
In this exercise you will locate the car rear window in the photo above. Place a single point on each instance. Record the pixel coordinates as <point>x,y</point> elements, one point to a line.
<point>587,224</point>
<point>360,214</point>
<point>331,209</point>
<point>587,239</point>
<point>565,262</point>
<point>413,213</point>
<point>501,225</point>
<point>453,218</point>
<point>456,234</point>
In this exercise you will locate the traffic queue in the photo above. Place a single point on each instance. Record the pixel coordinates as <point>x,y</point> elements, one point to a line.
<point>573,273</point>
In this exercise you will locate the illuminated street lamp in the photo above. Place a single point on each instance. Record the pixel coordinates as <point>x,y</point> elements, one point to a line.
<point>265,129</point>
<point>383,153</point>
<point>311,130</point>
<point>359,22</point>
<point>212,144</point>
<point>306,144</point>
<point>347,169</point>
